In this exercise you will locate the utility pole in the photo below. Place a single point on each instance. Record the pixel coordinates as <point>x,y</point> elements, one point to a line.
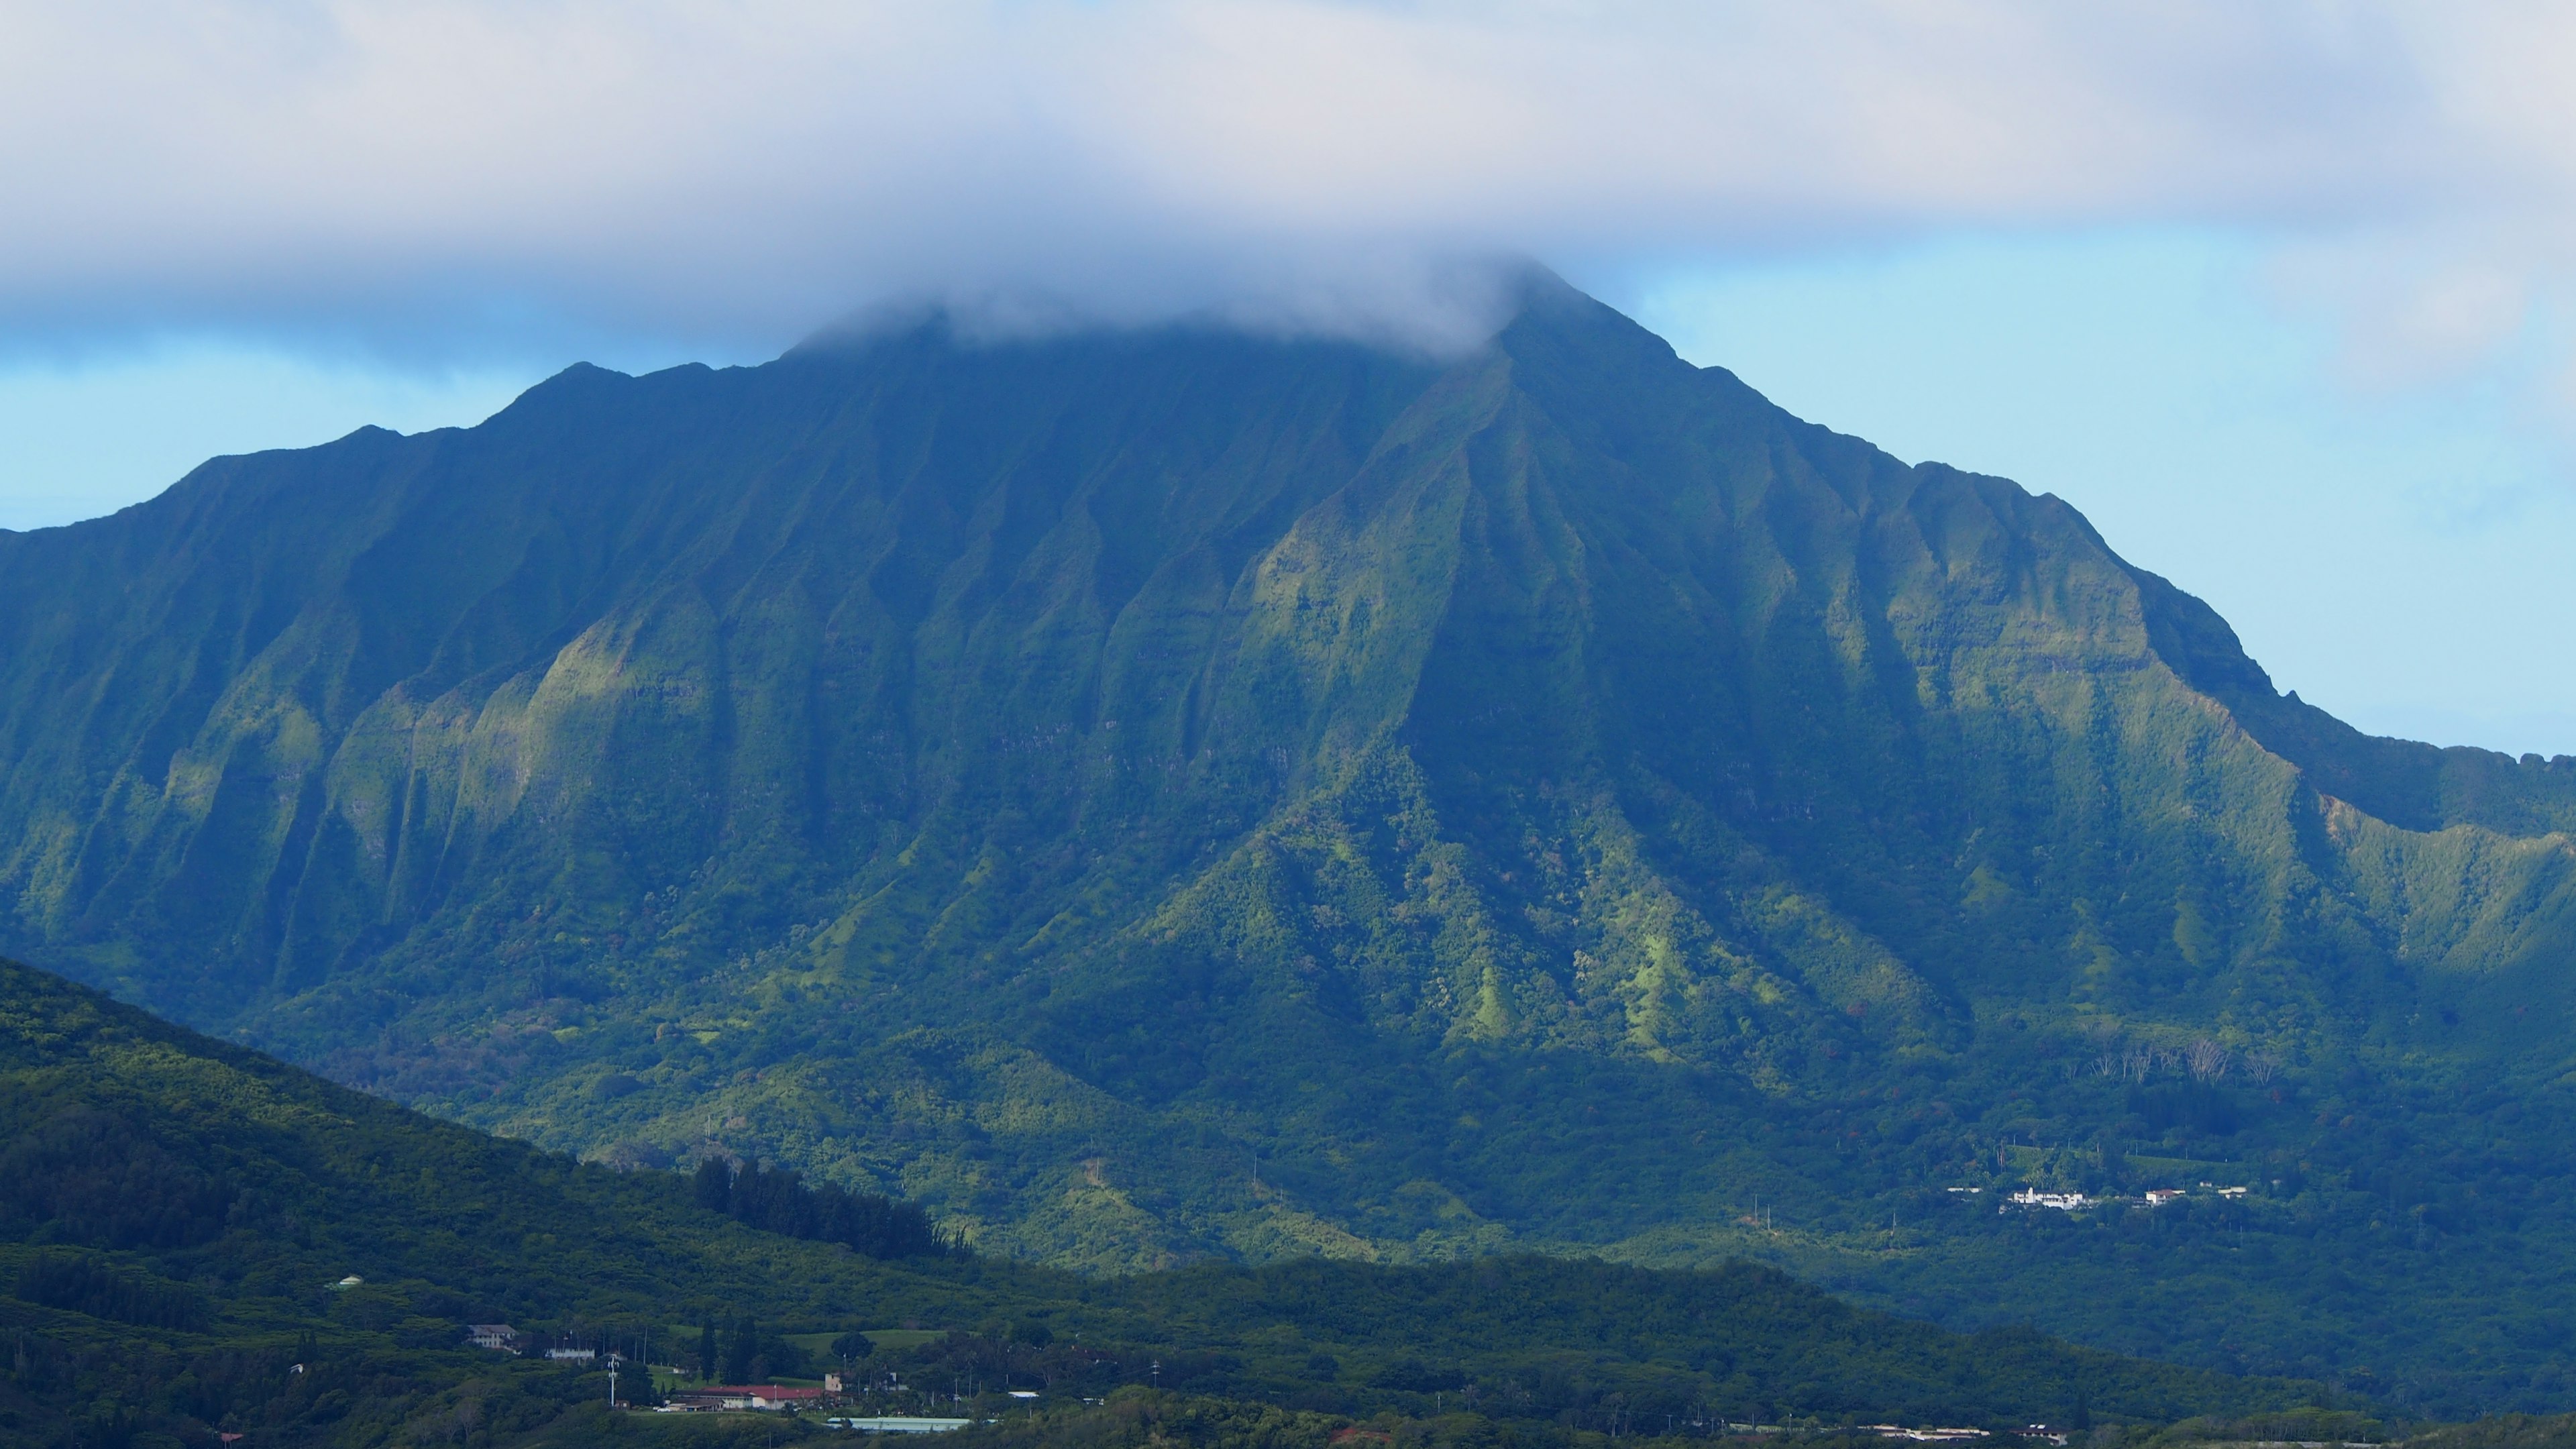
<point>612,1380</point>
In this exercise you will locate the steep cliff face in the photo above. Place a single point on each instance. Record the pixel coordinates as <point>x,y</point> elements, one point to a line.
<point>306,701</point>
<point>1179,793</point>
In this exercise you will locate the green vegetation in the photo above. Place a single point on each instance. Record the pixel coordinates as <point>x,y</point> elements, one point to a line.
<point>2505,1431</point>
<point>1172,796</point>
<point>778,1200</point>
<point>144,1323</point>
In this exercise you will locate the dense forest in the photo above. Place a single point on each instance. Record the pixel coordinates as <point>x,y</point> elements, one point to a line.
<point>779,1200</point>
<point>287,1259</point>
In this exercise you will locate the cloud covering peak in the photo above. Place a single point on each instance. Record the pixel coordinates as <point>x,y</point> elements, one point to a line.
<point>444,171</point>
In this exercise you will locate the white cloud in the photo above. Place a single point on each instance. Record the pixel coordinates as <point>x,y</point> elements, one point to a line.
<point>453,170</point>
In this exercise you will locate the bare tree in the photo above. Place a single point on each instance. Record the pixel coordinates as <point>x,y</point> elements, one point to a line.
<point>2262,1069</point>
<point>2209,1060</point>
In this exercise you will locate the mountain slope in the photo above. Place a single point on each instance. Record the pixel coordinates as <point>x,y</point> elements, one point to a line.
<point>175,1209</point>
<point>1175,794</point>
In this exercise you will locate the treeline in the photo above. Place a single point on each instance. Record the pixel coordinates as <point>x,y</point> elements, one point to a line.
<point>1582,1345</point>
<point>750,1353</point>
<point>777,1200</point>
<point>82,1284</point>
<point>1132,1420</point>
<point>1585,1342</point>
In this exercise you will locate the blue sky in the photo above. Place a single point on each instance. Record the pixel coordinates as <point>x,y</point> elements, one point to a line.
<point>2271,292</point>
<point>82,437</point>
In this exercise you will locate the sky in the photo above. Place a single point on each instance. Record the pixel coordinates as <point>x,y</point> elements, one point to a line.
<point>2275,293</point>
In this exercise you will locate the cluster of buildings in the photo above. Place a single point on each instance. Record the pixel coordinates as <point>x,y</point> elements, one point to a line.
<point>502,1338</point>
<point>729,1398</point>
<point>2071,1202</point>
<point>754,1398</point>
<point>1959,1436</point>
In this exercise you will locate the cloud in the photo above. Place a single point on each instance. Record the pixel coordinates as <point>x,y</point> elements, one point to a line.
<point>456,174</point>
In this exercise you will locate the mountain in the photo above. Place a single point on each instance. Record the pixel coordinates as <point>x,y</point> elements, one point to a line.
<point>1171,795</point>
<point>197,1240</point>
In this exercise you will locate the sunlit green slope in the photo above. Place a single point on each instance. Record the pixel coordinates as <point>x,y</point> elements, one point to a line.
<point>1177,794</point>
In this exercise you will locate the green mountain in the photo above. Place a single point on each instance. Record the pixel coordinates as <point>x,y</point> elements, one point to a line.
<point>197,1240</point>
<point>1174,795</point>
